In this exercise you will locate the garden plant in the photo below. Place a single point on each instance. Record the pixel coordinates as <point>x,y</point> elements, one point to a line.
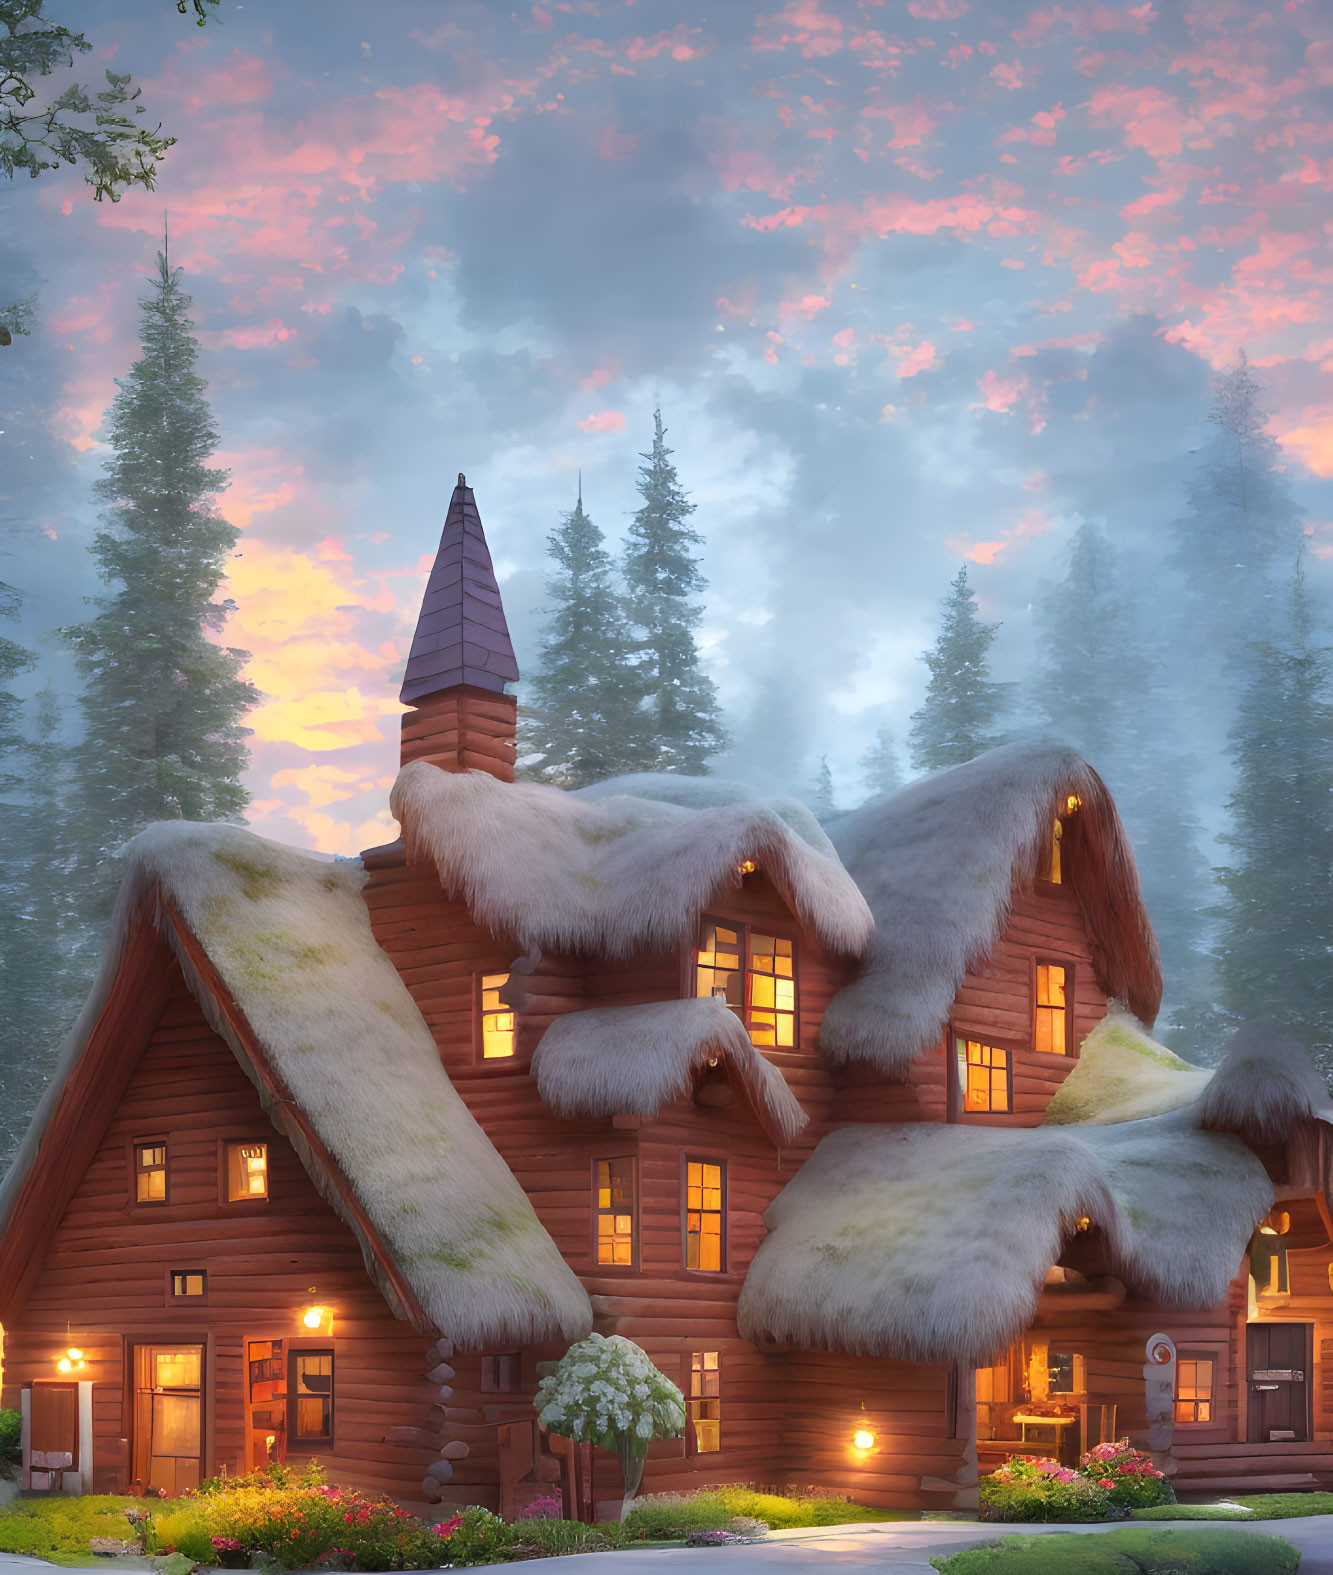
<point>1108,1483</point>
<point>1128,1550</point>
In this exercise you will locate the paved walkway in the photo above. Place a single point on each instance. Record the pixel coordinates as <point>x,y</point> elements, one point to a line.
<point>901,1547</point>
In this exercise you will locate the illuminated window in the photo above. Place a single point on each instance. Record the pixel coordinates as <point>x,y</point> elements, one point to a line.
<point>247,1172</point>
<point>983,1076</point>
<point>150,1172</point>
<point>1051,1026</point>
<point>1194,1389</point>
<point>1051,869</point>
<point>705,1193</point>
<point>615,1211</point>
<point>187,1284</point>
<point>311,1397</point>
<point>705,1402</point>
<point>497,1019</point>
<point>1066,1373</point>
<point>755,975</point>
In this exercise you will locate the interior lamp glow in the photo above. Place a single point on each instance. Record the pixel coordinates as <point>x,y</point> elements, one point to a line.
<point>863,1438</point>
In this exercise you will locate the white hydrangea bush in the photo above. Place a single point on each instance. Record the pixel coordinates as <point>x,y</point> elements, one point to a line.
<point>605,1391</point>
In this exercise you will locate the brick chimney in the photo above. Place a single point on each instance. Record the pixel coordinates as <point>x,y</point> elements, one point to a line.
<point>461,657</point>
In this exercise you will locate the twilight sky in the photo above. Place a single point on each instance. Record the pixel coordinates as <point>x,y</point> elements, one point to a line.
<point>913,280</point>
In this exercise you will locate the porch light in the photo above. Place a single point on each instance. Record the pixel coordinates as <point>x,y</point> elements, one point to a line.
<point>71,1362</point>
<point>863,1438</point>
<point>748,866</point>
<point>313,1317</point>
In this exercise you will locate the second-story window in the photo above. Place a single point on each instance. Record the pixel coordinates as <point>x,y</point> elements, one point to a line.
<point>1050,1029</point>
<point>705,1213</point>
<point>150,1172</point>
<point>985,1077</point>
<point>755,974</point>
<point>614,1212</point>
<point>247,1172</point>
<point>495,1020</point>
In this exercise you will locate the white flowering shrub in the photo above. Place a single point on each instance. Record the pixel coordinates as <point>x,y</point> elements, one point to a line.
<point>605,1391</point>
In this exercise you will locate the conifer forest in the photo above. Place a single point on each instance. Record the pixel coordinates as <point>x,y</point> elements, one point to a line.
<point>847,390</point>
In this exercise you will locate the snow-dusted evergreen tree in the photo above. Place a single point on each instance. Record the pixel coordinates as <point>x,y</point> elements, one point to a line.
<point>14,660</point>
<point>1241,521</point>
<point>1099,686</point>
<point>581,720</point>
<point>1277,928</point>
<point>680,723</point>
<point>821,798</point>
<point>162,704</point>
<point>962,707</point>
<point>880,766</point>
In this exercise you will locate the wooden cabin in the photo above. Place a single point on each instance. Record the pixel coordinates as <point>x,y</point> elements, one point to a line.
<point>863,1140</point>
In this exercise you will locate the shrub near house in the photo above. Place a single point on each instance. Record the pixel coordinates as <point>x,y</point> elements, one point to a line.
<point>1108,1482</point>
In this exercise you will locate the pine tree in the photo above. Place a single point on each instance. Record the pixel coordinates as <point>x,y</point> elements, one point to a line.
<point>1241,519</point>
<point>680,721</point>
<point>1277,931</point>
<point>581,721</point>
<point>821,800</point>
<point>962,706</point>
<point>162,703</point>
<point>1099,686</point>
<point>880,767</point>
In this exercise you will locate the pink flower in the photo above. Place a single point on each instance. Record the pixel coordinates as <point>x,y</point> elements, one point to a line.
<point>1106,1483</point>
<point>1064,1474</point>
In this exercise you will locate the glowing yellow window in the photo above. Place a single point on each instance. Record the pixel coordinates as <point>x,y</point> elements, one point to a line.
<point>983,1076</point>
<point>247,1172</point>
<point>188,1282</point>
<point>705,1402</point>
<point>771,1018</point>
<point>705,1192</point>
<point>1050,1030</point>
<point>497,1019</point>
<point>312,1396</point>
<point>1053,873</point>
<point>150,1172</point>
<point>719,970</point>
<point>615,1211</point>
<point>1194,1390</point>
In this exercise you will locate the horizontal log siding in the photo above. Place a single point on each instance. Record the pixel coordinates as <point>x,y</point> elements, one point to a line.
<point>462,730</point>
<point>103,1285</point>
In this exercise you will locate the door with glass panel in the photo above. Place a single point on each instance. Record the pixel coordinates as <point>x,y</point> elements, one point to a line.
<point>168,1417</point>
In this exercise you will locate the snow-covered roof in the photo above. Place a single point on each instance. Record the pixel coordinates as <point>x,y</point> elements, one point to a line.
<point>1122,1074</point>
<point>632,1060</point>
<point>613,871</point>
<point>939,864</point>
<point>277,948</point>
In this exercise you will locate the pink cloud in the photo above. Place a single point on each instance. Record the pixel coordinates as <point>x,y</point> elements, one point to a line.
<point>599,377</point>
<point>260,336</point>
<point>1310,438</point>
<point>937,10</point>
<point>1010,75</point>
<point>1000,393</point>
<point>616,145</point>
<point>921,359</point>
<point>1150,118</point>
<point>814,31</point>
<point>604,421</point>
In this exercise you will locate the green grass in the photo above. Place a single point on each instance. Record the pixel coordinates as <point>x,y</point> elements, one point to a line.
<point>1127,1551</point>
<point>665,1517</point>
<point>1263,1506</point>
<point>58,1529</point>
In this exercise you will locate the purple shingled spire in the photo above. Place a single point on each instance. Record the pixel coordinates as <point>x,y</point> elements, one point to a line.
<point>462,637</point>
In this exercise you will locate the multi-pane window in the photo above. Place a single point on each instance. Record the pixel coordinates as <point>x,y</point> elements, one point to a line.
<point>754,974</point>
<point>1194,1389</point>
<point>311,1397</point>
<point>247,1172</point>
<point>1051,1023</point>
<point>705,1206</point>
<point>984,1076</point>
<point>150,1172</point>
<point>495,1019</point>
<point>705,1402</point>
<point>615,1211</point>
<point>188,1284</point>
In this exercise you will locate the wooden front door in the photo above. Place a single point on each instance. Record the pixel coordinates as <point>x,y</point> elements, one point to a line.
<point>168,1417</point>
<point>1278,1366</point>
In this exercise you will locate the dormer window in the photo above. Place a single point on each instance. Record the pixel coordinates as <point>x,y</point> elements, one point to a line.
<point>755,974</point>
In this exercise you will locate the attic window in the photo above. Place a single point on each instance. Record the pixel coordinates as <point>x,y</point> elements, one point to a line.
<point>150,1172</point>
<point>495,1019</point>
<point>247,1172</point>
<point>1052,870</point>
<point>754,974</point>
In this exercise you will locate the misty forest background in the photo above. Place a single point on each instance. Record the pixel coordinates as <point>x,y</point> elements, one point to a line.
<point>156,726</point>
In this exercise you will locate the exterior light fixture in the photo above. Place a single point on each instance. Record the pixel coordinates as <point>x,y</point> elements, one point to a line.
<point>1278,1223</point>
<point>71,1362</point>
<point>312,1317</point>
<point>748,866</point>
<point>1072,803</point>
<point>1085,1222</point>
<point>863,1438</point>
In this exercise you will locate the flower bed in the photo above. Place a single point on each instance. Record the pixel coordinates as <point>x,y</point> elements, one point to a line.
<point>1107,1484</point>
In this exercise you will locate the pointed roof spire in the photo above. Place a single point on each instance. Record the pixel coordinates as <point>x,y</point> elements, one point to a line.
<point>462,639</point>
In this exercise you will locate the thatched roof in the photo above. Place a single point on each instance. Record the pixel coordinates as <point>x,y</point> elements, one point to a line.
<point>277,948</point>
<point>1264,1086</point>
<point>930,1242</point>
<point>940,863</point>
<point>613,872</point>
<point>1122,1074</point>
<point>631,1060</point>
